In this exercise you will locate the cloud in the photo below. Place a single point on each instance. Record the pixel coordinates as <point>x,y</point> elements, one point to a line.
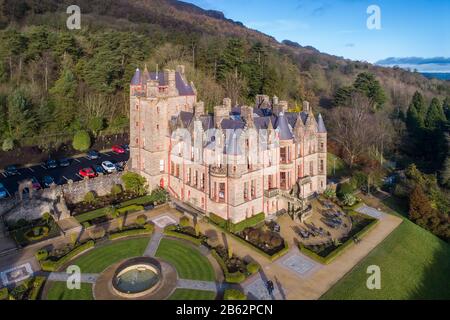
<point>350,45</point>
<point>436,64</point>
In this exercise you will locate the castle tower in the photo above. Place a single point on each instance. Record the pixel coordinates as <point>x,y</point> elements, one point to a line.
<point>154,99</point>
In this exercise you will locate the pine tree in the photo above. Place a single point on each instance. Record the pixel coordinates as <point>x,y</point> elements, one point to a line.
<point>415,118</point>
<point>435,115</point>
<point>370,86</point>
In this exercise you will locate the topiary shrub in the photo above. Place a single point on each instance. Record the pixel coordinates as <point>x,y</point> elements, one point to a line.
<point>343,189</point>
<point>329,193</point>
<point>253,267</point>
<point>236,277</point>
<point>81,141</point>
<point>141,220</point>
<point>184,221</point>
<point>234,294</point>
<point>135,183</point>
<point>349,200</point>
<point>41,255</point>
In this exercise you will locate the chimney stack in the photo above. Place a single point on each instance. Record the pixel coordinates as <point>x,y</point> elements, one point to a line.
<point>181,69</point>
<point>199,109</point>
<point>306,107</point>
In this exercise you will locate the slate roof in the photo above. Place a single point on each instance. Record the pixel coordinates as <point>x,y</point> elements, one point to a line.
<point>321,125</point>
<point>284,123</point>
<point>183,88</point>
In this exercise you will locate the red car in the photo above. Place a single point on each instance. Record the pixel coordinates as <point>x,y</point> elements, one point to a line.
<point>87,172</point>
<point>118,149</point>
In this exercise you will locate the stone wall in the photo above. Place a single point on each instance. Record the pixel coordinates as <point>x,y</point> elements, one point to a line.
<point>54,199</point>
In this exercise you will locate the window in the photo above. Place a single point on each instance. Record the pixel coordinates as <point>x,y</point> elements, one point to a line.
<point>161,165</point>
<point>253,189</point>
<point>202,181</point>
<point>246,190</point>
<point>321,166</point>
<point>172,168</point>
<point>157,127</point>
<point>311,168</point>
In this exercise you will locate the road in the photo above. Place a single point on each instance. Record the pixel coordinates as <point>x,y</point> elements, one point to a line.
<point>61,174</point>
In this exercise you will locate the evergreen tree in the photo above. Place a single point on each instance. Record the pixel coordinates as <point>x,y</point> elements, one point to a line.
<point>21,119</point>
<point>64,95</point>
<point>415,117</point>
<point>435,116</point>
<point>232,58</point>
<point>446,107</point>
<point>370,86</point>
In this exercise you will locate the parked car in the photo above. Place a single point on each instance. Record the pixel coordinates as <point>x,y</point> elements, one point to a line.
<point>118,149</point>
<point>3,192</point>
<point>48,181</point>
<point>64,162</point>
<point>99,169</point>
<point>35,183</point>
<point>87,172</point>
<point>92,155</point>
<point>109,166</point>
<point>273,226</point>
<point>51,164</point>
<point>126,147</point>
<point>11,170</point>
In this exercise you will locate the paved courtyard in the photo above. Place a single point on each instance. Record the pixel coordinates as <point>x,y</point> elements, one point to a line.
<point>256,290</point>
<point>364,209</point>
<point>163,221</point>
<point>299,263</point>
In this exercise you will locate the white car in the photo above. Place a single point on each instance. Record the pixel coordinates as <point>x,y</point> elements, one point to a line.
<point>109,166</point>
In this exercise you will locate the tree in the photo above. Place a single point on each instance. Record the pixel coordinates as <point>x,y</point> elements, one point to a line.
<point>81,141</point>
<point>8,144</point>
<point>342,96</point>
<point>444,175</point>
<point>135,183</point>
<point>354,127</point>
<point>21,119</point>
<point>96,125</point>
<point>367,84</point>
<point>64,94</point>
<point>415,118</point>
<point>435,117</point>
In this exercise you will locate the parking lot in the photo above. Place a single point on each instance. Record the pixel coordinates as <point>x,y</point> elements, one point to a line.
<point>60,174</point>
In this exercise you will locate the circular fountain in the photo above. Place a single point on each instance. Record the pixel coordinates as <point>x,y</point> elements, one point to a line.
<point>136,277</point>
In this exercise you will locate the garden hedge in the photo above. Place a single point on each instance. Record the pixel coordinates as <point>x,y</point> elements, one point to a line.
<point>238,227</point>
<point>338,251</point>
<point>3,293</point>
<point>130,209</point>
<point>247,223</point>
<point>37,285</point>
<point>233,294</point>
<point>134,232</point>
<point>54,265</point>
<point>170,232</point>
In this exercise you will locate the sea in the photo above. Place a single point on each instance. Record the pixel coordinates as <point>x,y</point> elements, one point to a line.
<point>436,75</point>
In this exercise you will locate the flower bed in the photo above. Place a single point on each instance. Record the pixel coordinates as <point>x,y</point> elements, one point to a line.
<point>28,232</point>
<point>53,263</point>
<point>235,269</point>
<point>27,290</point>
<point>184,233</point>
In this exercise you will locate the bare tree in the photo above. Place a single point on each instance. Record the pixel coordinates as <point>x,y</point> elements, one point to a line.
<point>234,86</point>
<point>354,127</point>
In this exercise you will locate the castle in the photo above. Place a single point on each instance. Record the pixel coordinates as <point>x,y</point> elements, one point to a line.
<point>235,163</point>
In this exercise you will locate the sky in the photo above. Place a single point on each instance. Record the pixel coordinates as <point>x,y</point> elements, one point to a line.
<point>408,28</point>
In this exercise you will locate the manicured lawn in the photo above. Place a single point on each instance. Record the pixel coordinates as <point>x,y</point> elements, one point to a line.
<point>188,261</point>
<point>59,291</point>
<point>98,259</point>
<point>186,294</point>
<point>414,264</point>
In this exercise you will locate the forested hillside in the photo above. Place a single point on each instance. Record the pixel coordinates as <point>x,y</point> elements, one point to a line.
<point>55,82</point>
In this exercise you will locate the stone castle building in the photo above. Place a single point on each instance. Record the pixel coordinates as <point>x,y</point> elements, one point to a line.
<point>237,162</point>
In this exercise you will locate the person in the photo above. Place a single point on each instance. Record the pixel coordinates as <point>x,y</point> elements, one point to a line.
<point>270,286</point>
